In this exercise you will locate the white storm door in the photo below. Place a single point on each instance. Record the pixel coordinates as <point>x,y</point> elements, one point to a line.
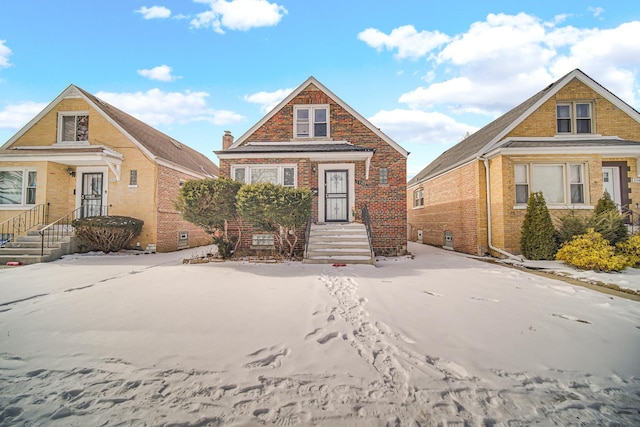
<point>611,183</point>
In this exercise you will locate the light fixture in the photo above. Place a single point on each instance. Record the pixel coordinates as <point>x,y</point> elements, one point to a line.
<point>71,172</point>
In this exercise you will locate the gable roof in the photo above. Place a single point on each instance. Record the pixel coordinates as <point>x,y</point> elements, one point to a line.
<point>156,145</point>
<point>492,135</point>
<point>312,81</point>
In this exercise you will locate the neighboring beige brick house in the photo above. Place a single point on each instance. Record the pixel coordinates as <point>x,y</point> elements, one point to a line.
<point>82,154</point>
<point>313,138</point>
<point>573,141</point>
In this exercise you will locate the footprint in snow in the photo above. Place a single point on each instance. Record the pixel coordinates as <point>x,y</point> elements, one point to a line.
<point>567,317</point>
<point>433,294</point>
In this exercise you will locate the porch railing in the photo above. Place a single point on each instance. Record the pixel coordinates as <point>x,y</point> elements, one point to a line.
<point>23,222</point>
<point>307,233</point>
<point>631,217</point>
<point>63,227</point>
<point>366,221</point>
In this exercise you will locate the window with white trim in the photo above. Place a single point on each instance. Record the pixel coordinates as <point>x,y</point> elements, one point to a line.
<point>133,178</point>
<point>560,183</point>
<point>311,121</point>
<point>418,198</point>
<point>284,175</point>
<point>73,127</point>
<point>17,187</point>
<point>574,117</point>
<point>384,176</point>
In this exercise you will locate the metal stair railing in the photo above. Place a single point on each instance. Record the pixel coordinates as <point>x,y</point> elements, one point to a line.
<point>23,222</point>
<point>63,227</point>
<point>366,220</point>
<point>630,217</point>
<point>307,234</point>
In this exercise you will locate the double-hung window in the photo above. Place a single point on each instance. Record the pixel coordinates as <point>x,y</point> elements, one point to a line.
<point>418,198</point>
<point>284,175</point>
<point>73,127</point>
<point>561,184</point>
<point>311,121</point>
<point>574,117</point>
<point>17,187</point>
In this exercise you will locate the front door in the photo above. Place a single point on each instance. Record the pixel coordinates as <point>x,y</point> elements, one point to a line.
<point>336,194</point>
<point>611,183</point>
<point>91,197</point>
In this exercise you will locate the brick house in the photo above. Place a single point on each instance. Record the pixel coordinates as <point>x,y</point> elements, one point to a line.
<point>84,157</point>
<point>573,141</point>
<point>313,139</point>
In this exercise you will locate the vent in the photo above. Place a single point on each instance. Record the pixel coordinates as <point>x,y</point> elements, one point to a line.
<point>176,143</point>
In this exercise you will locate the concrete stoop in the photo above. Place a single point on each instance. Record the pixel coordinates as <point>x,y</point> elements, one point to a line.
<point>28,249</point>
<point>345,243</point>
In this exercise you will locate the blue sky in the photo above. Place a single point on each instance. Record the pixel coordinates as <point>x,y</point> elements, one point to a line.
<point>425,72</point>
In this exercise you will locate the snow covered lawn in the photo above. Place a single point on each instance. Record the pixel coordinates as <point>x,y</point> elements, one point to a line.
<point>441,339</point>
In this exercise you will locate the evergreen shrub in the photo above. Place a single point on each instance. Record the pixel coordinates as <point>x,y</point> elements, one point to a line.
<point>537,241</point>
<point>107,233</point>
<point>591,251</point>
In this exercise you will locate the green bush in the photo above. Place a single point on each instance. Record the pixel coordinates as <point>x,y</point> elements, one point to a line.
<point>570,225</point>
<point>537,241</point>
<point>631,249</point>
<point>591,251</point>
<point>610,224</point>
<point>107,233</point>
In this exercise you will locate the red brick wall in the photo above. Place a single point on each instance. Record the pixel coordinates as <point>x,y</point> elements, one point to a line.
<point>386,203</point>
<point>170,222</point>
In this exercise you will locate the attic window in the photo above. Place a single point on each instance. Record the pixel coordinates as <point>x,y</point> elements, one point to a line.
<point>311,121</point>
<point>73,127</point>
<point>574,117</point>
<point>176,143</point>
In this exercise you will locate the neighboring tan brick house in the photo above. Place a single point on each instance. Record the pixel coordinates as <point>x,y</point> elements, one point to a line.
<point>82,154</point>
<point>313,138</point>
<point>573,141</point>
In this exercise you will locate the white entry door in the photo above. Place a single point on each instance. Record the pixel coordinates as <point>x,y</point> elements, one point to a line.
<point>611,182</point>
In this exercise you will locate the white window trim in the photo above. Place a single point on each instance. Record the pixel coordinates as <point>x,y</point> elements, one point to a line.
<point>280,167</point>
<point>311,108</point>
<point>61,115</point>
<point>136,184</point>
<point>414,198</point>
<point>573,117</point>
<point>25,177</point>
<point>566,178</point>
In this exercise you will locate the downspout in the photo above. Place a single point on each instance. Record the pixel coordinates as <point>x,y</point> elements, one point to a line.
<point>493,248</point>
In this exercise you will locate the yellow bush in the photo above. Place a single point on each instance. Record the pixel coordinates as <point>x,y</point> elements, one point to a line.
<point>631,249</point>
<point>591,251</point>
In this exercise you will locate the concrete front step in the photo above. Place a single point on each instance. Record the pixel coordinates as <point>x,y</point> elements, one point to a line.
<point>338,243</point>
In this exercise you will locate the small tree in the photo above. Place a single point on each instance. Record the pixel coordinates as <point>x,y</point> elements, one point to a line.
<point>277,209</point>
<point>570,225</point>
<point>537,241</point>
<point>210,203</point>
<point>608,221</point>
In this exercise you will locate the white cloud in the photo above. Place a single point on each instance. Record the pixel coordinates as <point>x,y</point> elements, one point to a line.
<point>240,15</point>
<point>409,42</point>
<point>156,107</point>
<point>421,127</point>
<point>504,59</point>
<point>17,115</point>
<point>5,52</point>
<point>596,11</point>
<point>160,73</point>
<point>154,12</point>
<point>268,100</point>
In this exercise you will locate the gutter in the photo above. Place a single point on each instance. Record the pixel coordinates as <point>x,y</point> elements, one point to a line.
<point>489,243</point>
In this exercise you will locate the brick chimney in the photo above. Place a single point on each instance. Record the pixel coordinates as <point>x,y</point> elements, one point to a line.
<point>227,139</point>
